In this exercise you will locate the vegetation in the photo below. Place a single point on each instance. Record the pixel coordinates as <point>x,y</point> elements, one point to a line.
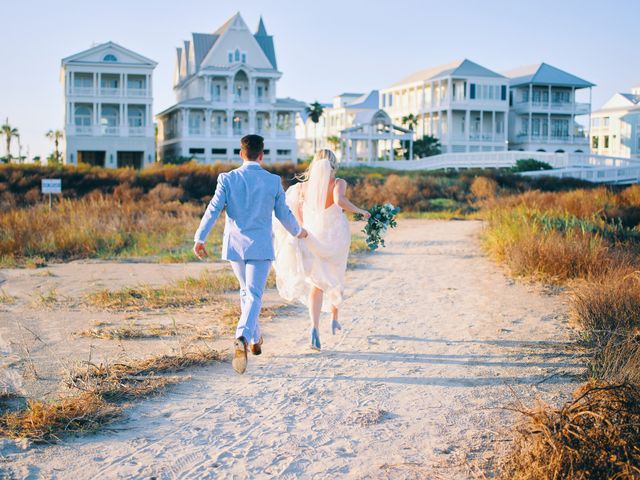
<point>9,133</point>
<point>588,241</point>
<point>426,146</point>
<point>530,165</point>
<point>55,136</point>
<point>315,111</point>
<point>101,389</point>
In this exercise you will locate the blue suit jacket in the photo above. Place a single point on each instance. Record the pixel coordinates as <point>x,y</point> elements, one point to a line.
<point>251,196</point>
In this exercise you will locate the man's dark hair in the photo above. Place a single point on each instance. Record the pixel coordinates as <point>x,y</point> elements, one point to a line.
<point>252,146</point>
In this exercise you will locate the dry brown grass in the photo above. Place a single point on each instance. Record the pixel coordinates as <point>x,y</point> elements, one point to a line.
<point>189,292</point>
<point>595,436</point>
<point>97,226</point>
<point>48,421</point>
<point>142,331</point>
<point>6,299</point>
<point>101,387</point>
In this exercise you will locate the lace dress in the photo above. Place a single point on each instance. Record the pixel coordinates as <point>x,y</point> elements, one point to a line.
<point>319,260</point>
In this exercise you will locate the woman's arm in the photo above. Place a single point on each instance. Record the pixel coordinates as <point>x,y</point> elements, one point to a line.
<point>340,199</point>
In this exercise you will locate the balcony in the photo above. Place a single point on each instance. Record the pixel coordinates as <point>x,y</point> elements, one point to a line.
<point>82,91</point>
<point>240,100</point>
<point>137,131</point>
<point>137,92</point>
<point>196,131</point>
<point>83,129</point>
<point>576,140</point>
<point>110,131</point>
<point>552,107</point>
<point>109,92</point>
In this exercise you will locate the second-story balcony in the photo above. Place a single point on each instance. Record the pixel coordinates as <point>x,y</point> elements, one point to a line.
<point>195,131</point>
<point>109,92</point>
<point>137,131</point>
<point>555,139</point>
<point>553,107</point>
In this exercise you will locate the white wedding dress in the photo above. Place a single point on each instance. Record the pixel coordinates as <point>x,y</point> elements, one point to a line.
<point>321,258</point>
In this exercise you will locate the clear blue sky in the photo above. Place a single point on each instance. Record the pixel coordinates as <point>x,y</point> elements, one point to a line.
<point>323,47</point>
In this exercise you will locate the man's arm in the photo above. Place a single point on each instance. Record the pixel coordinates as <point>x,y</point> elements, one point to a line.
<point>210,217</point>
<point>285,216</point>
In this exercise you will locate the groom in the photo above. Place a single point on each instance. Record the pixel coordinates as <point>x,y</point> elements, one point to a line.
<point>250,195</point>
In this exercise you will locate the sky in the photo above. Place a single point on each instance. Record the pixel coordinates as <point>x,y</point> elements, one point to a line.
<point>323,47</point>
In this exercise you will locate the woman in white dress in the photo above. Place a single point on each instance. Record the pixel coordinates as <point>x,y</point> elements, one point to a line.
<point>313,268</point>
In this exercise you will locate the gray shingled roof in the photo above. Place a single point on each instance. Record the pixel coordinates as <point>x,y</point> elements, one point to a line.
<point>202,43</point>
<point>545,74</point>
<point>368,101</point>
<point>463,67</point>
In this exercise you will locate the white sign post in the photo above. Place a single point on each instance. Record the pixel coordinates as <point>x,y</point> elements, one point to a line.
<point>50,186</point>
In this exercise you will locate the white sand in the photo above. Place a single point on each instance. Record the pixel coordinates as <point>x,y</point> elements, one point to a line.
<point>436,339</point>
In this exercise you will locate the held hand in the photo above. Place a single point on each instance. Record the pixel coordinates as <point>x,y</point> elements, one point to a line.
<point>303,233</point>
<point>365,214</point>
<point>200,251</point>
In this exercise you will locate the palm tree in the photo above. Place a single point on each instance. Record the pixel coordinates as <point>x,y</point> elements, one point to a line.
<point>55,136</point>
<point>9,132</point>
<point>411,121</point>
<point>315,111</point>
<point>334,141</point>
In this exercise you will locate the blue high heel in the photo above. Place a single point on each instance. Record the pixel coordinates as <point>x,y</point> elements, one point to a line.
<point>315,339</point>
<point>335,326</point>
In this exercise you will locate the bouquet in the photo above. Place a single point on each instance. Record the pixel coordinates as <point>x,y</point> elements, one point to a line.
<point>383,217</point>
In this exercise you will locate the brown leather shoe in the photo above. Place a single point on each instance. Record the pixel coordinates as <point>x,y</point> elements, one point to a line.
<point>256,348</point>
<point>239,362</point>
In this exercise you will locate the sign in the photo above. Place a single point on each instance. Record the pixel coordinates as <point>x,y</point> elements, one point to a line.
<point>51,185</point>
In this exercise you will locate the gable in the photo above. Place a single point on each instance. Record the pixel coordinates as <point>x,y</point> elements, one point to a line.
<point>471,69</point>
<point>109,53</point>
<point>235,36</point>
<point>619,101</point>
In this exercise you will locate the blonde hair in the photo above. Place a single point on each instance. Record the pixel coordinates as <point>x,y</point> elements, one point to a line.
<point>322,154</point>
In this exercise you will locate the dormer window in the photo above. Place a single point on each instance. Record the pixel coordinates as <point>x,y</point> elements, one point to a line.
<point>109,58</point>
<point>244,58</point>
<point>230,57</point>
<point>237,55</point>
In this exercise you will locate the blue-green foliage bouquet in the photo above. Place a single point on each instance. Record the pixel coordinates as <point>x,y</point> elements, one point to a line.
<point>383,217</point>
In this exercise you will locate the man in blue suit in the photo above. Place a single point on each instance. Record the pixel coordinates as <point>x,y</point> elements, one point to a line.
<point>250,195</point>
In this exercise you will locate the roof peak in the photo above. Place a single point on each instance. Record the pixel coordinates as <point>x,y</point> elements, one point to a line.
<point>261,28</point>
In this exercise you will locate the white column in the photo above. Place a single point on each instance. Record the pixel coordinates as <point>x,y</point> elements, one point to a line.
<point>185,122</point>
<point>99,84</point>
<point>252,91</point>
<point>391,152</point>
<point>493,126</point>
<point>229,90</point>
<point>411,148</point>
<point>481,125</point>
<point>530,108</point>
<point>252,121</point>
<point>123,78</point>
<point>573,115</point>
<point>95,83</point>
<point>229,123</point>
<point>207,88</point>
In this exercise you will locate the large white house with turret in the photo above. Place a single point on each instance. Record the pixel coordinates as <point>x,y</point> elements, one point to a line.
<point>225,86</point>
<point>108,107</point>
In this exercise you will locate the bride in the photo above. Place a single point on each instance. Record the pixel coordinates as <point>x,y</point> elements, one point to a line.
<point>310,269</point>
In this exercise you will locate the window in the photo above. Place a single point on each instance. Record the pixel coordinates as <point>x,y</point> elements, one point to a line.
<point>109,58</point>
<point>283,152</point>
<point>236,151</point>
<point>384,100</point>
<point>230,56</point>
<point>391,99</point>
<point>218,151</point>
<point>196,151</point>
<point>136,116</point>
<point>472,91</point>
<point>237,55</point>
<point>244,58</point>
<point>594,142</point>
<point>83,116</point>
<point>503,92</point>
<point>605,121</point>
<point>260,91</point>
<point>638,143</point>
<point>595,123</point>
<point>605,143</point>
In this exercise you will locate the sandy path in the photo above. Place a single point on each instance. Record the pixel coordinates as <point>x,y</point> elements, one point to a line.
<point>435,339</point>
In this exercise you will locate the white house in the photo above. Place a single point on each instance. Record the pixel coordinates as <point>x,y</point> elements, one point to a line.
<point>336,116</point>
<point>615,128</point>
<point>463,104</point>
<point>108,107</point>
<point>225,86</point>
<point>543,110</point>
